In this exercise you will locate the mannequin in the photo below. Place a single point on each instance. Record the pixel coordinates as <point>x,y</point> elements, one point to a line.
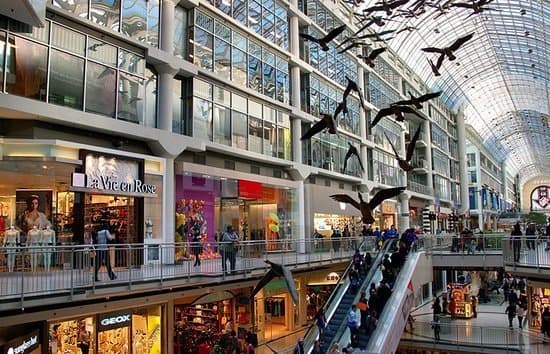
<point>148,228</point>
<point>33,244</point>
<point>11,242</point>
<point>48,244</point>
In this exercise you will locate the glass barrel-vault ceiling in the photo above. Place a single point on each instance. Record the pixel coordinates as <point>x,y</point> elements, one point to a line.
<point>499,78</point>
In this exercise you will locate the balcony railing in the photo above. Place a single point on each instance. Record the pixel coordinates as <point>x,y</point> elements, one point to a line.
<point>419,188</point>
<point>27,273</point>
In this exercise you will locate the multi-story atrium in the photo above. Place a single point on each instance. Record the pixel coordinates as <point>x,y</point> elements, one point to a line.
<point>170,123</point>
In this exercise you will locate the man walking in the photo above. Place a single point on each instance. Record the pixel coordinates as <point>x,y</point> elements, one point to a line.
<point>228,248</point>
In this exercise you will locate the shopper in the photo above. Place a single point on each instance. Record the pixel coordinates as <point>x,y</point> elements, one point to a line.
<point>436,308</point>
<point>196,244</point>
<point>545,324</point>
<point>511,311</point>
<point>473,300</point>
<point>436,326</point>
<point>354,321</point>
<point>321,321</point>
<point>84,339</point>
<point>101,251</point>
<point>520,311</point>
<point>228,248</point>
<point>516,241</point>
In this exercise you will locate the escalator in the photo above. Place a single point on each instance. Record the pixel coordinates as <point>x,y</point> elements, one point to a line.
<point>392,319</point>
<point>341,299</point>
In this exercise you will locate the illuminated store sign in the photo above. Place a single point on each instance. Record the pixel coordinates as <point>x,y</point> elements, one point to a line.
<point>111,321</point>
<point>23,345</point>
<point>113,175</point>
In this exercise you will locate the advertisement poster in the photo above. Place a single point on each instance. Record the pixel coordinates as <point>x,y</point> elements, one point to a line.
<point>33,207</point>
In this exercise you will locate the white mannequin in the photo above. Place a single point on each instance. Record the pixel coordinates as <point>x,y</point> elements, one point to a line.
<point>33,244</point>
<point>11,241</point>
<point>48,244</point>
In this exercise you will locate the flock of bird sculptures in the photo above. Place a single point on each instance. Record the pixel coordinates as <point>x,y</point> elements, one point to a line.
<point>391,10</point>
<point>328,122</point>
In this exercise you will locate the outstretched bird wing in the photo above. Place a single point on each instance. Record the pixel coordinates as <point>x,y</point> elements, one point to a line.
<point>459,42</point>
<point>408,109</point>
<point>410,148</point>
<point>393,147</point>
<point>289,280</point>
<point>384,194</point>
<point>381,114</point>
<point>344,198</point>
<point>432,50</point>
<point>376,53</point>
<point>334,33</point>
<point>316,128</point>
<point>263,282</point>
<point>309,37</point>
<point>429,96</point>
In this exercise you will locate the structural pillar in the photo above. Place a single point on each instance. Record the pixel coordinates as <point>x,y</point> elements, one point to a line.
<point>428,134</point>
<point>403,220</point>
<point>363,124</point>
<point>168,205</point>
<point>166,73</point>
<point>296,142</point>
<point>168,11</point>
<point>463,168</point>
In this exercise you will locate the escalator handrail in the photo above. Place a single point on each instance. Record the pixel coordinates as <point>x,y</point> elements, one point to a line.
<point>375,267</point>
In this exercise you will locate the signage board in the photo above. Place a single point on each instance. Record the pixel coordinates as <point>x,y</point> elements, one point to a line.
<point>114,320</point>
<point>24,344</point>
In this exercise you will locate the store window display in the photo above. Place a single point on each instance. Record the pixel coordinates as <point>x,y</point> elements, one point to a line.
<point>11,242</point>
<point>68,336</point>
<point>32,216</point>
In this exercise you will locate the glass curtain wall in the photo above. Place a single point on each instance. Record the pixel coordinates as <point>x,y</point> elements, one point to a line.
<point>137,19</point>
<point>383,168</point>
<point>85,73</point>
<point>234,57</point>
<point>229,118</point>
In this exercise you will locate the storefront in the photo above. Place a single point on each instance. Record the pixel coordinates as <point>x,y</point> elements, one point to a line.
<point>461,294</point>
<point>211,199</point>
<point>126,331</point>
<point>539,299</point>
<point>318,290</point>
<point>389,215</point>
<point>415,212</point>
<point>207,321</point>
<point>29,343</point>
<point>72,190</point>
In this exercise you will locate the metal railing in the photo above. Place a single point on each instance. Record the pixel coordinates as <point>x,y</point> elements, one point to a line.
<point>526,251</point>
<point>464,336</point>
<point>27,272</point>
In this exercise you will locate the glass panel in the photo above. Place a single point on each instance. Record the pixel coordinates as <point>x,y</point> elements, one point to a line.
<point>100,89</point>
<point>131,62</point>
<point>283,143</point>
<point>203,48</point>
<point>153,15</point>
<point>222,57</point>
<point>77,7</point>
<point>282,87</point>
<point>224,6</point>
<point>150,98</point>
<point>254,16</point>
<point>178,124</point>
<point>239,11</point>
<point>270,139</point>
<point>106,13</point>
<point>223,32</point>
<point>41,34</point>
<point>66,80</point>
<point>239,67</point>
<point>202,89</point>
<point>202,119</point>
<point>222,96</point>
<point>268,25</point>
<point>269,81</point>
<point>255,134</point>
<point>180,28</point>
<point>240,130</point>
<point>68,39</point>
<point>255,74</point>
<point>130,98</point>
<point>101,51</point>
<point>239,41</point>
<point>239,103</point>
<point>134,19</point>
<point>26,68</point>
<point>222,125</point>
<point>255,109</point>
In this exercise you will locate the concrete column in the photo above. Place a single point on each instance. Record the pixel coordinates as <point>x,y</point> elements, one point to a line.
<point>296,142</point>
<point>302,306</point>
<point>170,324</point>
<point>294,36</point>
<point>463,168</point>
<point>168,10</point>
<point>165,99</point>
<point>364,157</point>
<point>362,113</point>
<point>403,220</point>
<point>308,212</point>
<point>428,135</point>
<point>301,226</point>
<point>169,201</point>
<point>444,280</point>
<point>295,87</point>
